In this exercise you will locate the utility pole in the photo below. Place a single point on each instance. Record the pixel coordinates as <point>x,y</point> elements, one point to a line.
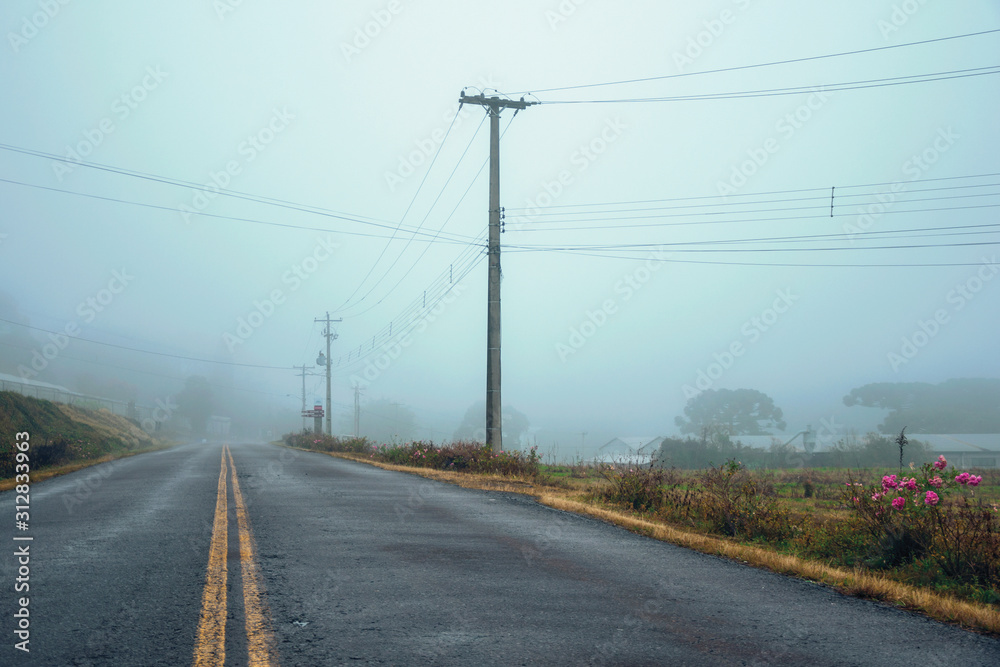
<point>494,417</point>
<point>303,374</point>
<point>330,336</point>
<point>357,411</point>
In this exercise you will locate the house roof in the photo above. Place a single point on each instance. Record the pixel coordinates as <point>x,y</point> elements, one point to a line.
<point>632,443</point>
<point>975,442</point>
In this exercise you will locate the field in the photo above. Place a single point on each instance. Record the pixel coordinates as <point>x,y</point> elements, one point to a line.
<point>926,538</point>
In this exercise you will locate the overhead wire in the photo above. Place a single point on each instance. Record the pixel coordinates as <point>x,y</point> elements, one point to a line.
<point>772,63</point>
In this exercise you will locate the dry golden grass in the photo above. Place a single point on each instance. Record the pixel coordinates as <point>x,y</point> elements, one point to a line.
<point>973,616</point>
<point>107,424</point>
<point>56,471</point>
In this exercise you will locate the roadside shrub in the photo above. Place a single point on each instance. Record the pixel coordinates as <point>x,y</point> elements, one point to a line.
<point>933,514</point>
<point>743,504</point>
<point>639,489</point>
<point>460,455</point>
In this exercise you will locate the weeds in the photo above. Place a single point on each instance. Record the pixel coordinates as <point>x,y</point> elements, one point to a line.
<point>463,456</point>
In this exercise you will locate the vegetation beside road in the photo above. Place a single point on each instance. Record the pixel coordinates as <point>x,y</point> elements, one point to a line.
<point>938,553</point>
<point>65,438</point>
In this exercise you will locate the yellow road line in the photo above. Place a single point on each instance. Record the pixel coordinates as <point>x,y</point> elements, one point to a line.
<point>210,649</point>
<point>260,636</point>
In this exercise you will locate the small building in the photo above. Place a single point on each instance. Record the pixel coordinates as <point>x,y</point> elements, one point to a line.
<point>635,450</point>
<point>964,451</point>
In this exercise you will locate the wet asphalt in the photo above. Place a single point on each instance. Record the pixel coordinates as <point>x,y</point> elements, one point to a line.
<point>363,566</point>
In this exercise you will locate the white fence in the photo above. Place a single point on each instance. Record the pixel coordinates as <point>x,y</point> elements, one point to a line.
<point>127,409</point>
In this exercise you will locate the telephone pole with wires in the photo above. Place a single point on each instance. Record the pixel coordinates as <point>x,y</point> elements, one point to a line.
<point>303,373</point>
<point>330,336</point>
<point>494,418</point>
<point>357,411</point>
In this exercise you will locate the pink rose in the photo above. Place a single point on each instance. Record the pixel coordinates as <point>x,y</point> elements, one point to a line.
<point>963,478</point>
<point>911,483</point>
<point>941,463</point>
<point>974,480</point>
<point>889,482</point>
<point>936,482</point>
<point>931,498</point>
<point>898,503</point>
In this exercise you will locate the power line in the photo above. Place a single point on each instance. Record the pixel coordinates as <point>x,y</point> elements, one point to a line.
<point>480,241</point>
<point>756,65</point>
<point>448,239</point>
<point>201,187</point>
<point>416,194</point>
<point>135,349</point>
<point>420,227</point>
<point>812,88</point>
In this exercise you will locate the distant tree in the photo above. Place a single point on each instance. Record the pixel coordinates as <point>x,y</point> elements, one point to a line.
<point>385,421</point>
<point>730,412</point>
<point>473,426</point>
<point>195,401</point>
<point>954,406</point>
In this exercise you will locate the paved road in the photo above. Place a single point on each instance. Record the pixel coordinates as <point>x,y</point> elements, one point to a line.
<point>157,560</point>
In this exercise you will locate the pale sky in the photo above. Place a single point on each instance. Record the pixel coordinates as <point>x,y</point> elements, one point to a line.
<point>335,114</point>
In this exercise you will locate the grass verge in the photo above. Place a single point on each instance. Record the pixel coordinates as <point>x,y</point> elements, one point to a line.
<point>980,617</point>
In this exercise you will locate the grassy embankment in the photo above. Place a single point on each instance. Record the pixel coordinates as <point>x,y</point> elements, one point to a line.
<point>940,560</point>
<point>64,438</point>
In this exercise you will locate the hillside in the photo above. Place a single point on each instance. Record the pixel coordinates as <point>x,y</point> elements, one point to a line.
<point>62,434</point>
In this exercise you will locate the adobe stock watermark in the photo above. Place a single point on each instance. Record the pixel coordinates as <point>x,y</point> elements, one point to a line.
<point>785,128</point>
<point>913,169</point>
<point>223,8</point>
<point>580,160</point>
<point>264,309</point>
<point>162,413</point>
<point>32,25</point>
<point>248,150</point>
<point>714,28</point>
<point>365,34</point>
<point>393,350</point>
<point>927,330</point>
<point>87,310</point>
<point>625,289</point>
<point>425,148</point>
<point>750,332</point>
<point>899,17</point>
<point>563,12</point>
<point>123,107</point>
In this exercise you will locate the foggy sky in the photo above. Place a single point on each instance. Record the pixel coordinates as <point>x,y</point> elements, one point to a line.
<point>297,102</point>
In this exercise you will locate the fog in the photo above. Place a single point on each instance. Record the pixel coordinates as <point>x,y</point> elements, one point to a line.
<point>251,167</point>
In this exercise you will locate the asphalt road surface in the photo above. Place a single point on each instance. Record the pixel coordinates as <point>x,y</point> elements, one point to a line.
<point>303,559</point>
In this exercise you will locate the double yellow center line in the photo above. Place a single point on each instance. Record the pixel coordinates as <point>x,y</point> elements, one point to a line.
<point>210,648</point>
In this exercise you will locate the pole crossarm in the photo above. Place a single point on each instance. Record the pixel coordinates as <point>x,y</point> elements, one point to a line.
<point>495,103</point>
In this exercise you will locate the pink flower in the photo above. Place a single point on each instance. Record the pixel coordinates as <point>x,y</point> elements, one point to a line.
<point>931,498</point>
<point>963,478</point>
<point>889,482</point>
<point>877,496</point>
<point>936,482</point>
<point>941,463</point>
<point>898,503</point>
<point>974,480</point>
<point>911,483</point>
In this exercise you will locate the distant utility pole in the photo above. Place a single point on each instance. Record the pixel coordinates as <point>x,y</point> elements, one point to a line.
<point>357,411</point>
<point>303,374</point>
<point>494,418</point>
<point>330,336</point>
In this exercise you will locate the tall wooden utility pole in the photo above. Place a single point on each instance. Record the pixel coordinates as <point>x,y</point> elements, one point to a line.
<point>494,419</point>
<point>303,373</point>
<point>357,411</point>
<point>330,336</point>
